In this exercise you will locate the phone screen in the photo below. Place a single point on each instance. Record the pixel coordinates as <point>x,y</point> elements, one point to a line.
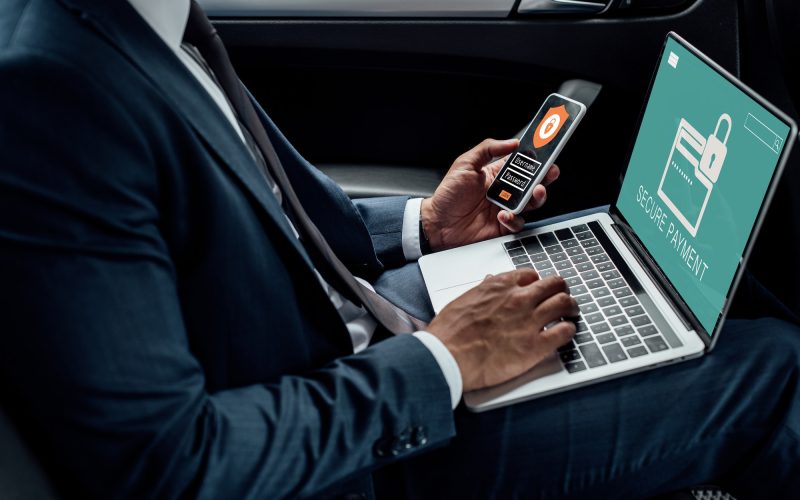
<point>539,144</point>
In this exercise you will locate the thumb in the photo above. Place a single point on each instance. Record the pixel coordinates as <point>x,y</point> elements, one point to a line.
<point>488,150</point>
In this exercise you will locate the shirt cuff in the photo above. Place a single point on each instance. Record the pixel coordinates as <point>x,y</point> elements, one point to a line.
<point>410,234</point>
<point>447,363</point>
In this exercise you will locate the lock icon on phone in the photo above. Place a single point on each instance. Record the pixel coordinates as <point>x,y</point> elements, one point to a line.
<point>715,151</point>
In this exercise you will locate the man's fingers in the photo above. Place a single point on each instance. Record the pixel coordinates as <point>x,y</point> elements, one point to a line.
<point>558,334</point>
<point>555,307</point>
<point>487,150</point>
<point>551,175</point>
<point>545,288</point>
<point>513,223</point>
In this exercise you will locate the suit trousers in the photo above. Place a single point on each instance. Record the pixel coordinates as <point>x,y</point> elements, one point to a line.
<point>730,418</point>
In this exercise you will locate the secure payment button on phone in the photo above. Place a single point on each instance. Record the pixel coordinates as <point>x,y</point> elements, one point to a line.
<point>505,195</point>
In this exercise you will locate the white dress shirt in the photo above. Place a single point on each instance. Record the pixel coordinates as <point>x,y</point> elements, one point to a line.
<point>168,19</point>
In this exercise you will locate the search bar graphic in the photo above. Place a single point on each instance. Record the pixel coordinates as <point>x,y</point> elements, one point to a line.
<point>763,133</point>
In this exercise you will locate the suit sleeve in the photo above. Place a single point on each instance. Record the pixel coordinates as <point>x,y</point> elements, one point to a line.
<point>366,233</point>
<point>96,358</point>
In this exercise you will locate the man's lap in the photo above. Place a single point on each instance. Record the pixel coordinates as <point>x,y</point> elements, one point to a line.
<point>636,436</point>
<point>666,429</point>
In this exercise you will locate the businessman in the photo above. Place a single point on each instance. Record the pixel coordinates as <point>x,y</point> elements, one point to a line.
<point>189,308</point>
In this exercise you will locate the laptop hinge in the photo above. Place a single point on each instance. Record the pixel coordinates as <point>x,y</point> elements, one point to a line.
<point>657,276</point>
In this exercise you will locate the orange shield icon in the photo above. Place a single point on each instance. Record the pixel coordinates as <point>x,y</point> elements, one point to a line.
<point>549,126</point>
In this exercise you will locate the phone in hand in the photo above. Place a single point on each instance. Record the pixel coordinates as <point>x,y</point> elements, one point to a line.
<point>538,149</point>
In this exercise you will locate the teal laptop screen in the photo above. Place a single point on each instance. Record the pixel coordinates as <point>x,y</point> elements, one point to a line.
<point>698,174</point>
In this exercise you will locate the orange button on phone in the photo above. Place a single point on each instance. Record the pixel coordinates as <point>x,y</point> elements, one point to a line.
<point>505,195</point>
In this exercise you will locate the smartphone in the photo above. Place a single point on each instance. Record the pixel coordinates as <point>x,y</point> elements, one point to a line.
<point>538,149</point>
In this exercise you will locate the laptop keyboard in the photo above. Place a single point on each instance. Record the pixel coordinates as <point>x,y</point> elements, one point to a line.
<point>613,326</point>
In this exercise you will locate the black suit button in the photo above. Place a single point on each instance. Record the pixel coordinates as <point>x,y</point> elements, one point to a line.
<point>419,436</point>
<point>383,448</point>
<point>403,441</point>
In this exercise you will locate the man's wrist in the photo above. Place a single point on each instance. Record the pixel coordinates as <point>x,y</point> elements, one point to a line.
<point>429,225</point>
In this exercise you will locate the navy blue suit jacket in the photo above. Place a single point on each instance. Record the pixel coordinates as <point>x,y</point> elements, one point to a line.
<point>163,332</point>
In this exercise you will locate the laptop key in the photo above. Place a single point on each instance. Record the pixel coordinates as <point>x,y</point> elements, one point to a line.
<point>616,283</point>
<point>606,301</point>
<point>548,239</point>
<point>592,355</point>
<point>538,257</point>
<point>545,264</point>
<point>600,328</point>
<point>567,347</point>
<point>614,353</point>
<point>622,292</point>
<point>553,249</point>
<point>648,330</point>
<point>591,242</point>
<point>563,234</point>
<point>594,317</point>
<point>595,283</point>
<point>589,308</point>
<point>580,259</point>
<point>512,244</point>
<point>617,320</point>
<point>610,275</point>
<point>525,266</point>
<point>590,275</point>
<point>580,228</point>
<point>582,338</point>
<point>575,366</point>
<point>628,301</point>
<point>558,257</point>
<point>655,344</point>
<point>571,243</point>
<point>522,259</point>
<point>531,244</point>
<point>601,292</point>
<point>594,250</point>
<point>612,311</point>
<point>568,356</point>
<point>624,330</point>
<point>605,266</point>
<point>578,290</point>
<point>580,326</point>
<point>516,252</point>
<point>605,338</point>
<point>583,299</point>
<point>637,351</point>
<point>585,235</point>
<point>574,250</point>
<point>599,258</point>
<point>640,320</point>
<point>630,341</point>
<point>568,273</point>
<point>634,311</point>
<point>583,266</point>
<point>544,273</point>
<point>573,281</point>
<point>564,264</point>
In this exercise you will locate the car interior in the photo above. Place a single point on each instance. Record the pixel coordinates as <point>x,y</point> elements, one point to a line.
<point>382,95</point>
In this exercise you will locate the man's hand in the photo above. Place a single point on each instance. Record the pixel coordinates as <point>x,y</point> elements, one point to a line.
<point>496,330</point>
<point>459,213</point>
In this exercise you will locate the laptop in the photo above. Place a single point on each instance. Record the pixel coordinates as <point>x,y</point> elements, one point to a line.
<point>654,274</point>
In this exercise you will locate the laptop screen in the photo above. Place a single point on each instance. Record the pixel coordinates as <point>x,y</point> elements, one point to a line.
<point>699,171</point>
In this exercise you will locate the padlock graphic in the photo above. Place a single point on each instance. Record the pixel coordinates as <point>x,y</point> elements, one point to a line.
<point>715,152</point>
<point>693,167</point>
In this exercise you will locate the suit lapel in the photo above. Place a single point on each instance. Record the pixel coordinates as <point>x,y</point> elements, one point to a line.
<point>122,26</point>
